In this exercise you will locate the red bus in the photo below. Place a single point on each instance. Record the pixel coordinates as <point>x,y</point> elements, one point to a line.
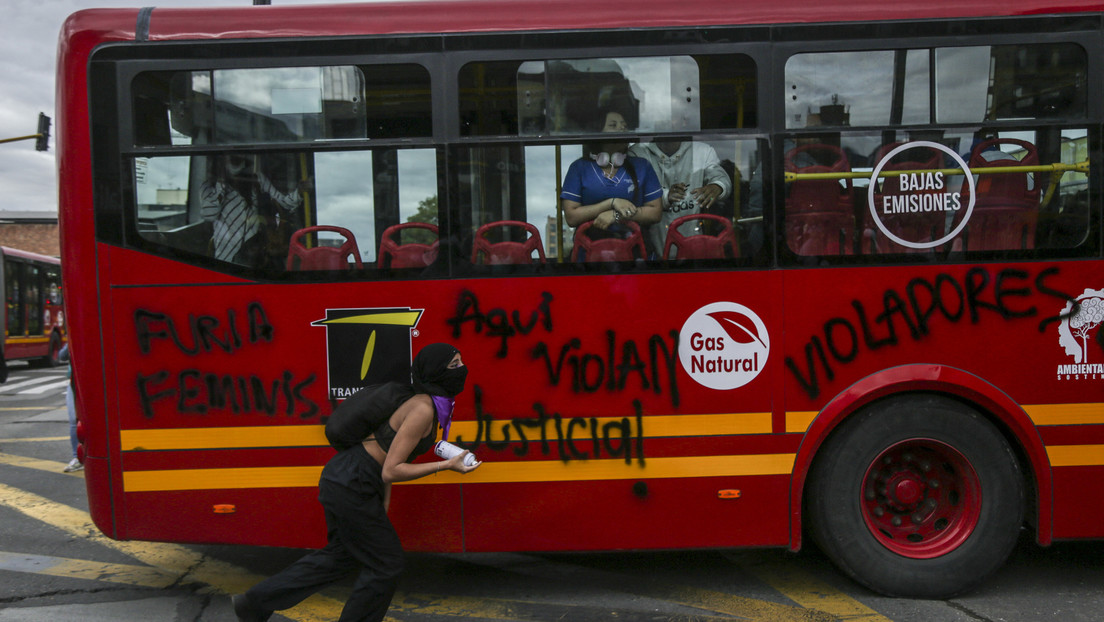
<point>34,324</point>
<point>883,337</point>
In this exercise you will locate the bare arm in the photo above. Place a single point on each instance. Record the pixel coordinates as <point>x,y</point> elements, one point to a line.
<point>608,211</point>
<point>415,419</point>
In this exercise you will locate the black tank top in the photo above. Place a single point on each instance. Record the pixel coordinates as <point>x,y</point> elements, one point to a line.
<point>385,434</point>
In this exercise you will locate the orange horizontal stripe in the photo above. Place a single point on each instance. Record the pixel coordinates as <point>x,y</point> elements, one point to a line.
<point>656,426</point>
<point>487,473</point>
<point>1065,414</point>
<point>1075,455</point>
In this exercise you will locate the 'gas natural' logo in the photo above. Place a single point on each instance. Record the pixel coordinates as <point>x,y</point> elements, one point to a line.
<point>723,345</point>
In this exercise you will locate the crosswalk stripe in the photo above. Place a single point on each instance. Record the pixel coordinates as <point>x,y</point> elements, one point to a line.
<point>8,388</point>
<point>46,387</point>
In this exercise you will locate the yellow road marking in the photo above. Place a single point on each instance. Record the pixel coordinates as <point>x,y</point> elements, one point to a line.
<point>176,560</point>
<point>127,574</point>
<point>171,564</point>
<point>812,593</point>
<point>489,472</point>
<point>36,439</point>
<point>706,600</point>
<point>35,463</point>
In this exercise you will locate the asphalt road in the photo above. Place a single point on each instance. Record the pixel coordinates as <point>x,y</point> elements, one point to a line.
<point>54,566</point>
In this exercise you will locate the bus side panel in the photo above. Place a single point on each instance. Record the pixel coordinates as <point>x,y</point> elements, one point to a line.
<point>627,514</point>
<point>999,328</point>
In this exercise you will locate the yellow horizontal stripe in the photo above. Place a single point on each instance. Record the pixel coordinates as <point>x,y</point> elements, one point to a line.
<point>223,438</point>
<point>798,422</point>
<point>1075,455</point>
<point>488,473</point>
<point>313,435</point>
<point>1065,414</point>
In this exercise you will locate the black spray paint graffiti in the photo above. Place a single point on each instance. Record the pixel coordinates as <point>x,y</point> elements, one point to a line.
<point>574,438</point>
<point>619,363</point>
<point>499,322</point>
<point>197,392</point>
<point>590,371</point>
<point>923,303</point>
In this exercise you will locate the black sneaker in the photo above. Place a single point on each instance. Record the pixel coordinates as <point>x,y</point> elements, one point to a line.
<point>245,610</point>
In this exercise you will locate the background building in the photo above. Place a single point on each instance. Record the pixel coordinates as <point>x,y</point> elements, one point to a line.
<point>36,232</point>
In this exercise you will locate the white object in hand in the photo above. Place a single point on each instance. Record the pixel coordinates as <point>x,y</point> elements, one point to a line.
<point>447,450</point>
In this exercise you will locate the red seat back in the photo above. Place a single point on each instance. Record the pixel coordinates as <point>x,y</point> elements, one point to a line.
<point>506,251</point>
<point>323,257</point>
<point>813,203</point>
<point>703,245</point>
<point>609,249</point>
<point>1006,205</point>
<point>394,254</point>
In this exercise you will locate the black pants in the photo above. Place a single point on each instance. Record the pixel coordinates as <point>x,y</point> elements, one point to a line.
<point>360,538</point>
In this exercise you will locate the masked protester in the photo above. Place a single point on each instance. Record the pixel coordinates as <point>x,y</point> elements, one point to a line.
<point>355,490</point>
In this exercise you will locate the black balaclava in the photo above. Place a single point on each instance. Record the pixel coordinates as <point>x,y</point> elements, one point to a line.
<point>430,372</point>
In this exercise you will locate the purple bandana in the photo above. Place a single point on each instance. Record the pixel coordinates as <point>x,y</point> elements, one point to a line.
<point>444,412</point>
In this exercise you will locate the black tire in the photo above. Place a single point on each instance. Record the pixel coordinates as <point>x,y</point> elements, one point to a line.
<point>51,359</point>
<point>916,496</point>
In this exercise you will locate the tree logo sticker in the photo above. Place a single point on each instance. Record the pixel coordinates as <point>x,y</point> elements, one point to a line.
<point>1077,331</point>
<point>723,345</point>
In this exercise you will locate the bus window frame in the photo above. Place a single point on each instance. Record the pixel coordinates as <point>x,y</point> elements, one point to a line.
<point>813,40</point>
<point>126,70</point>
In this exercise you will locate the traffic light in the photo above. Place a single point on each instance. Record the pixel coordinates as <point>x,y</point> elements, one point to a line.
<point>42,139</point>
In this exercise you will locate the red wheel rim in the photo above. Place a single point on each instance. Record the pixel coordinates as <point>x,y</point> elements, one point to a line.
<point>921,498</point>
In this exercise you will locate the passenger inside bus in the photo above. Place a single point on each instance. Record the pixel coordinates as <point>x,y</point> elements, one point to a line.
<point>610,188</point>
<point>251,218</point>
<point>693,181</point>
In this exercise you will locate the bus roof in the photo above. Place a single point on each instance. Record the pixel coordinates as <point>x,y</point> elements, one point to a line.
<point>15,252</point>
<point>455,16</point>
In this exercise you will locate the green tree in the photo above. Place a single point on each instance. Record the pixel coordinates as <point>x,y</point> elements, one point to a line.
<point>426,212</point>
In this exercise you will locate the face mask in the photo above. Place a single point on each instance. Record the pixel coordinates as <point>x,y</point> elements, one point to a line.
<point>604,159</point>
<point>452,380</point>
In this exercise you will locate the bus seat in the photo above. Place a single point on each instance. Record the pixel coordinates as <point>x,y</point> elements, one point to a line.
<point>394,254</point>
<point>507,251</point>
<point>1006,205</point>
<point>611,248</point>
<point>826,203</point>
<point>916,227</point>
<point>323,257</point>
<point>717,245</point>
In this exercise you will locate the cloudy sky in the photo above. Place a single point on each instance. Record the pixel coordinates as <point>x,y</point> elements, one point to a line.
<point>28,50</point>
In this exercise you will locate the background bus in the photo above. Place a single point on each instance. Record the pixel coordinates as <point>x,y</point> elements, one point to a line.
<point>34,324</point>
<point>884,336</point>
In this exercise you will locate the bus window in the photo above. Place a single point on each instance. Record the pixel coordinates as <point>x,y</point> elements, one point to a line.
<point>562,97</point>
<point>972,85</point>
<point>281,104</point>
<point>245,208</point>
<point>13,274</point>
<point>509,195</point>
<point>32,297</point>
<point>982,83</point>
<point>1026,192</point>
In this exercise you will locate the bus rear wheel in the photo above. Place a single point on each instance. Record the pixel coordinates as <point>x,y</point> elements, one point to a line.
<point>917,496</point>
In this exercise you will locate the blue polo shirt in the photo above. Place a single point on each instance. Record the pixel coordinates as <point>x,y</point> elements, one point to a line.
<point>586,184</point>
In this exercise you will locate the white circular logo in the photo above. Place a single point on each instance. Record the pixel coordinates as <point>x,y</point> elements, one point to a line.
<point>928,193</point>
<point>723,345</point>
